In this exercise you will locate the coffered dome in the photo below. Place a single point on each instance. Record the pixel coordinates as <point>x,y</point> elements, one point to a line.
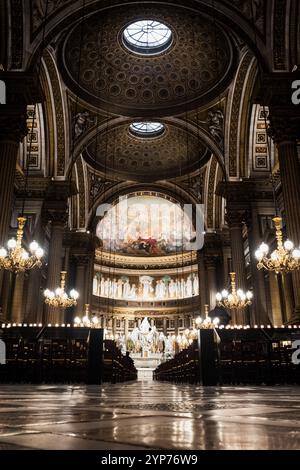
<point>120,152</point>
<point>193,65</point>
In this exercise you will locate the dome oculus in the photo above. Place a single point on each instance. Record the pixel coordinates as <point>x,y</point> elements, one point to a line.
<point>147,37</point>
<point>146,129</point>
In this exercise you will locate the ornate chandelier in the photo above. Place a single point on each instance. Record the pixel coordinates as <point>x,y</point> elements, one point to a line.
<point>16,258</point>
<point>207,323</point>
<point>237,299</point>
<point>86,321</point>
<point>59,297</point>
<point>284,259</point>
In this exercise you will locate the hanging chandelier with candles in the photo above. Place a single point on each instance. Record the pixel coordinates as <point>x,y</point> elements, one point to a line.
<point>15,258</point>
<point>85,320</point>
<point>207,323</point>
<point>59,298</point>
<point>283,259</point>
<point>236,299</point>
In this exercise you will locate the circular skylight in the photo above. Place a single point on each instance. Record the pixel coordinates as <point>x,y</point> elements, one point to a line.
<point>147,129</point>
<point>147,37</point>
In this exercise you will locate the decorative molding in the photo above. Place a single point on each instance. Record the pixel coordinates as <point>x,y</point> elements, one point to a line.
<point>119,154</point>
<point>211,192</point>
<point>112,78</point>
<point>279,47</point>
<point>82,192</point>
<point>235,113</point>
<point>59,113</point>
<point>16,29</point>
<point>97,185</point>
<point>141,262</point>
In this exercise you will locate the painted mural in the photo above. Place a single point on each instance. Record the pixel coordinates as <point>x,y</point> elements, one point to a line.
<point>145,226</point>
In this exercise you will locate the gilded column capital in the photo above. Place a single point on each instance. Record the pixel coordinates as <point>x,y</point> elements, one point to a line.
<point>13,126</point>
<point>284,127</point>
<point>235,218</point>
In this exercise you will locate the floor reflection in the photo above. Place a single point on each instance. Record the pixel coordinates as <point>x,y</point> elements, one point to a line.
<point>145,415</point>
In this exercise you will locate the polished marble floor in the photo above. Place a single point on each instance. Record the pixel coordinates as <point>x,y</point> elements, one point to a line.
<point>148,415</point>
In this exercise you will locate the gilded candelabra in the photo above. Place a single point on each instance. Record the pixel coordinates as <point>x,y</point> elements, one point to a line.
<point>284,259</point>
<point>236,299</point>
<point>16,258</point>
<point>207,323</point>
<point>86,321</point>
<point>59,298</point>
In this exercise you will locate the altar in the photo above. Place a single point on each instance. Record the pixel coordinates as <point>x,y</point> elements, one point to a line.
<point>148,349</point>
<point>146,365</point>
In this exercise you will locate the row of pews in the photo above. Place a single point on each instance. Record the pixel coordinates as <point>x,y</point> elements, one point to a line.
<point>62,355</point>
<point>236,357</point>
<point>116,366</point>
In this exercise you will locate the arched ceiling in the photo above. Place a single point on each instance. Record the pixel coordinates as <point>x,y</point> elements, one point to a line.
<point>119,153</point>
<point>98,67</point>
<point>204,81</point>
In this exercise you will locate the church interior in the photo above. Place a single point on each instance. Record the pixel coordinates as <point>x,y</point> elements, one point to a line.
<point>149,224</point>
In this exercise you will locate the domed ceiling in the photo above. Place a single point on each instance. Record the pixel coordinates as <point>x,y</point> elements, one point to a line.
<point>98,66</point>
<point>172,154</point>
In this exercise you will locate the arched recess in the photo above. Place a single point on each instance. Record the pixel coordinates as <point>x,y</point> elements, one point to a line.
<point>213,204</point>
<point>56,116</point>
<point>120,189</point>
<point>236,121</point>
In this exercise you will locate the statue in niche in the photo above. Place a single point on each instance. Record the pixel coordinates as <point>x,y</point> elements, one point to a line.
<point>81,123</point>
<point>196,187</point>
<point>132,293</point>
<point>195,285</point>
<point>182,288</point>
<point>95,285</point>
<point>172,289</point>
<point>215,120</point>
<point>114,289</point>
<point>163,290</point>
<point>102,286</point>
<point>158,290</point>
<point>126,290</point>
<point>189,287</point>
<point>120,289</point>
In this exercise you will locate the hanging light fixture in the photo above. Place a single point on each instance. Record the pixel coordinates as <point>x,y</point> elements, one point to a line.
<point>15,258</point>
<point>283,259</point>
<point>86,320</point>
<point>236,299</point>
<point>59,298</point>
<point>207,323</point>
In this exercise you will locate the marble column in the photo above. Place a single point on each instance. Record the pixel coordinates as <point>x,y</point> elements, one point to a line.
<point>34,297</point>
<point>284,118</point>
<point>176,334</point>
<point>202,280</point>
<point>275,299</point>
<point>81,283</point>
<point>285,133</point>
<point>210,262</point>
<point>17,311</point>
<point>22,89</point>
<point>12,131</point>
<point>288,294</point>
<point>234,219</point>
<point>55,315</point>
<point>259,305</point>
<point>126,330</point>
<point>55,210</point>
<point>114,329</point>
<point>165,326</point>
